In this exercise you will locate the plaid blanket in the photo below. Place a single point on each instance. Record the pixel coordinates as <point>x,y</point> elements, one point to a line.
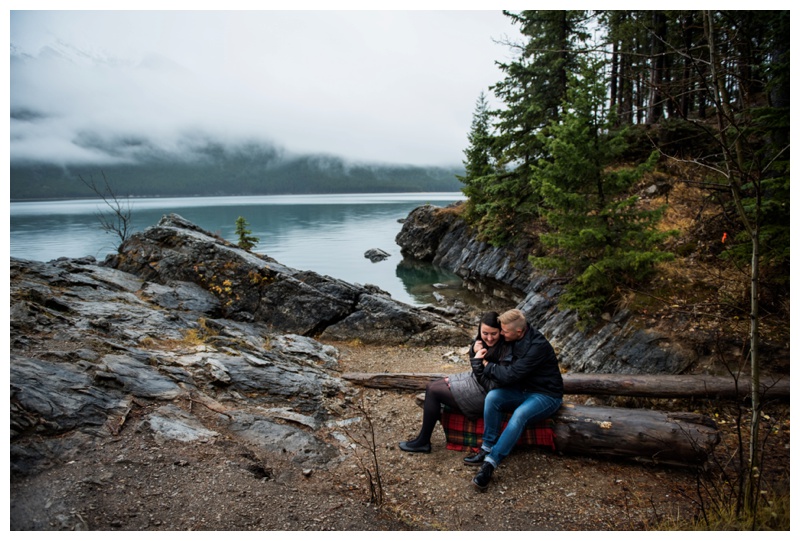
<point>465,435</point>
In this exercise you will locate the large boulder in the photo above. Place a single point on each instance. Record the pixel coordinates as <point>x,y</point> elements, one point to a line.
<point>252,287</point>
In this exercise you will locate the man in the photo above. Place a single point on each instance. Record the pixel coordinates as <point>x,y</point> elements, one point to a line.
<point>529,385</point>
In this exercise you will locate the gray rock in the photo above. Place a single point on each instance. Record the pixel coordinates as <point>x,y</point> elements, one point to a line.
<point>620,345</point>
<point>376,254</point>
<point>181,296</point>
<point>390,322</point>
<point>53,398</point>
<point>447,242</point>
<point>288,414</point>
<point>158,344</point>
<point>172,423</point>
<point>299,445</point>
<point>250,287</point>
<point>279,382</point>
<point>138,378</point>
<point>305,349</point>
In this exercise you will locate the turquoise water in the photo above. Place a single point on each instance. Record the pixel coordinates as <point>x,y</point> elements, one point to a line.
<point>327,234</point>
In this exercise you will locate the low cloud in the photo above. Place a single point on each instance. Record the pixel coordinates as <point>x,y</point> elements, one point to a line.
<point>113,87</point>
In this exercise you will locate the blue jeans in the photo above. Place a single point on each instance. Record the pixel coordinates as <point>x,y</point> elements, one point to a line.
<point>526,408</point>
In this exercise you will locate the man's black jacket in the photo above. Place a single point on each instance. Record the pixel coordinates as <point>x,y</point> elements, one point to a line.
<point>530,364</point>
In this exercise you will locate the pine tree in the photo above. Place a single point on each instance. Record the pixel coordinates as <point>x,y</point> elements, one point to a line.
<point>246,240</point>
<point>478,165</point>
<point>532,92</point>
<point>598,234</point>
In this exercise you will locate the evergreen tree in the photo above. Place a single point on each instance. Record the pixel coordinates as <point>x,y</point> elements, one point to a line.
<point>598,234</point>
<point>754,131</point>
<point>246,240</point>
<point>478,165</point>
<point>532,93</point>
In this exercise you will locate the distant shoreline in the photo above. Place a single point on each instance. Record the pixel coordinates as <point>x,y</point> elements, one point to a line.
<point>220,176</point>
<point>54,199</point>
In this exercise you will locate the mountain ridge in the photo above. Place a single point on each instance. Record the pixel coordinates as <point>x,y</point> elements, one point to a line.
<point>208,167</point>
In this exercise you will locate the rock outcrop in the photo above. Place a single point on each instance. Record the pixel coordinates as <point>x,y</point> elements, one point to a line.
<point>250,287</point>
<point>434,234</point>
<point>89,342</point>
<point>619,346</point>
<point>180,317</point>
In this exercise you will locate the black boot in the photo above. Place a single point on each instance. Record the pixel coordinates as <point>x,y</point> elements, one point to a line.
<point>477,458</point>
<point>481,481</point>
<point>413,447</point>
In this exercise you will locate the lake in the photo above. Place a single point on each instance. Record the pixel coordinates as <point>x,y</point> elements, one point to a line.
<point>327,234</point>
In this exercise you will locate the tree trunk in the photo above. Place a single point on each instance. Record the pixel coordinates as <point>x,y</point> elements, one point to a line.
<point>655,105</point>
<point>612,101</point>
<point>649,386</point>
<point>738,175</point>
<point>679,439</point>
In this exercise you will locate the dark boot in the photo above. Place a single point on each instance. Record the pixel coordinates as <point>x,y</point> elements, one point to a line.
<point>413,447</point>
<point>476,459</point>
<point>481,481</point>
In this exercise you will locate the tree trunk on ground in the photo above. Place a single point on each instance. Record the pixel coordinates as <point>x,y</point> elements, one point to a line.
<point>657,437</point>
<point>649,386</point>
<point>679,439</point>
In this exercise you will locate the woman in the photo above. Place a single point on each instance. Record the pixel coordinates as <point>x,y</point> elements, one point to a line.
<point>464,392</point>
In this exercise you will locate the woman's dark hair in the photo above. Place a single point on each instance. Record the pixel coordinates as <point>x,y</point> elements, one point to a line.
<point>490,319</point>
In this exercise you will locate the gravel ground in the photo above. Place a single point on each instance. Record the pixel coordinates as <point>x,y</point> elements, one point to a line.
<point>133,482</point>
<point>532,490</point>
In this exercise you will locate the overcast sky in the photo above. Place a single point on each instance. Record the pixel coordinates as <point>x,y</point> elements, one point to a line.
<point>376,86</point>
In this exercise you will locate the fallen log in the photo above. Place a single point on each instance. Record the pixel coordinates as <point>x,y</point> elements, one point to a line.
<point>673,386</point>
<point>677,439</point>
<point>651,386</point>
<point>671,438</point>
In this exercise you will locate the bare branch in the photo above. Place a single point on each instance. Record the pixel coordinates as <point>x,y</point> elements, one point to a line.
<point>118,220</point>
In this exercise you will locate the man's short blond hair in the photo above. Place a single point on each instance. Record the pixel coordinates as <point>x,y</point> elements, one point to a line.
<point>513,318</point>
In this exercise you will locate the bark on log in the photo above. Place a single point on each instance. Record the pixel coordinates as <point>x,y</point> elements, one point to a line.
<point>678,439</point>
<point>671,438</point>
<point>651,386</point>
<point>672,386</point>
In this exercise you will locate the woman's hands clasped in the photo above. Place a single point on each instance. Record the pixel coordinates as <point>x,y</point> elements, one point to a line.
<point>480,351</point>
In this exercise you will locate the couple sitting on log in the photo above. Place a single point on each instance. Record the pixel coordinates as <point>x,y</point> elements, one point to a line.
<point>514,370</point>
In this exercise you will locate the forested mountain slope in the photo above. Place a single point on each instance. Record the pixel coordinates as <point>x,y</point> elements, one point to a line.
<point>214,169</point>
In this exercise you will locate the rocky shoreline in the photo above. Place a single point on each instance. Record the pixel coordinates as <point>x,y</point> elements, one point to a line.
<point>180,313</point>
<point>621,345</point>
<point>185,339</point>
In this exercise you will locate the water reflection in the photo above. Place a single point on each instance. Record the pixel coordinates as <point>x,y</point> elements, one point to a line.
<point>419,278</point>
<point>424,282</point>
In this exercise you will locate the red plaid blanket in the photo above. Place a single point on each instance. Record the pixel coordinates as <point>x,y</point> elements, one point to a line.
<point>465,435</point>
